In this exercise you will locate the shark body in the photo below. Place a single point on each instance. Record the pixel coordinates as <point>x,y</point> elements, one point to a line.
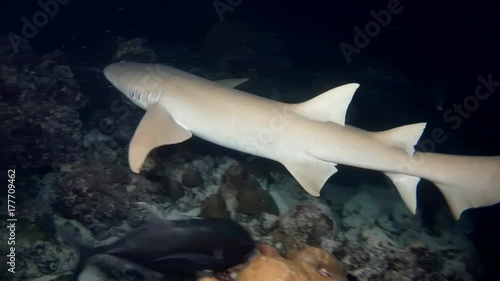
<point>308,138</point>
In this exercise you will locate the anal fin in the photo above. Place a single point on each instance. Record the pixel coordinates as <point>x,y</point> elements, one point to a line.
<point>311,173</point>
<point>157,128</point>
<point>407,188</point>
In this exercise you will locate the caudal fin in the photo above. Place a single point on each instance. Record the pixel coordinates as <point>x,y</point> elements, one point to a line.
<point>466,181</point>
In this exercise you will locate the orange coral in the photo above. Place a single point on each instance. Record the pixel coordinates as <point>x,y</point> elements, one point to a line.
<point>319,264</point>
<point>208,279</point>
<point>267,250</point>
<point>308,264</point>
<point>266,268</point>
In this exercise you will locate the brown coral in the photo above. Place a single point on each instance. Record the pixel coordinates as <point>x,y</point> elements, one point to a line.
<point>191,177</point>
<point>252,199</point>
<point>175,190</point>
<point>236,175</point>
<point>215,207</point>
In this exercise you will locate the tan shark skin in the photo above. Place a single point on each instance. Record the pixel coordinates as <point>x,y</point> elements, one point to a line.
<point>308,138</point>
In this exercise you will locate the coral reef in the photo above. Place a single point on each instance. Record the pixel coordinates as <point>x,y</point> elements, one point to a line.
<point>305,264</point>
<point>137,49</point>
<point>312,223</point>
<point>101,197</point>
<point>81,177</point>
<point>245,193</point>
<point>381,243</point>
<point>215,207</point>
<point>191,177</point>
<point>39,105</point>
<point>175,190</point>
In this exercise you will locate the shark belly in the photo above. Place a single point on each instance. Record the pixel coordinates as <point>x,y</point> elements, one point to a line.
<point>256,130</point>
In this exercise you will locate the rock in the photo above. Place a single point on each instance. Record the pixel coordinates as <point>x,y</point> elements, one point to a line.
<point>191,177</point>
<point>382,258</point>
<point>269,222</point>
<point>243,191</point>
<point>100,196</point>
<point>175,190</point>
<point>42,257</point>
<point>215,207</point>
<point>40,105</point>
<point>253,200</point>
<point>236,175</point>
<point>381,243</point>
<point>312,223</point>
<point>137,49</point>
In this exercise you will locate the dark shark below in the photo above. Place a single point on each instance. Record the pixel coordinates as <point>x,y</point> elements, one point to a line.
<point>180,246</point>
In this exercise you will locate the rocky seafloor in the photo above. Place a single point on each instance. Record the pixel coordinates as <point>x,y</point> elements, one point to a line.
<point>79,180</point>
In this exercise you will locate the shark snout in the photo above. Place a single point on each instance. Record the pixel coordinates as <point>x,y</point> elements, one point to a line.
<point>120,75</point>
<point>112,73</point>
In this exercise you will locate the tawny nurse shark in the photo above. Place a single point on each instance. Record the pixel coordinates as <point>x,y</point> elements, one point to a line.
<point>308,138</point>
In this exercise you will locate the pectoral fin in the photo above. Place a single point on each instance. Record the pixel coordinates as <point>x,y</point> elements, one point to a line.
<point>157,128</point>
<point>311,173</point>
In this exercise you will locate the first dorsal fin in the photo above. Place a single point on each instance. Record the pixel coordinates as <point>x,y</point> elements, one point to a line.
<point>331,106</point>
<point>232,83</point>
<point>157,128</point>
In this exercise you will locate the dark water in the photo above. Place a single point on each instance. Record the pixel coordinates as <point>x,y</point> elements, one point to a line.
<point>415,60</point>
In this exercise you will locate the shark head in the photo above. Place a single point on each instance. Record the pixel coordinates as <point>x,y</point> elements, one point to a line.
<point>139,82</point>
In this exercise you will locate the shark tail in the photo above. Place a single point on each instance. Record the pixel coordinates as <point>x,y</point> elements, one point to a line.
<point>405,138</point>
<point>465,181</point>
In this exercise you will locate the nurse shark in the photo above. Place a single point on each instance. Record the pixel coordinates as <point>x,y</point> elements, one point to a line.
<point>308,138</point>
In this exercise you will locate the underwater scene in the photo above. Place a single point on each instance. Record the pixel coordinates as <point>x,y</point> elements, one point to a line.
<point>239,140</point>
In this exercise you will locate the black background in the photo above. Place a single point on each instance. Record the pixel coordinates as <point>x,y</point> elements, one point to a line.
<point>450,42</point>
